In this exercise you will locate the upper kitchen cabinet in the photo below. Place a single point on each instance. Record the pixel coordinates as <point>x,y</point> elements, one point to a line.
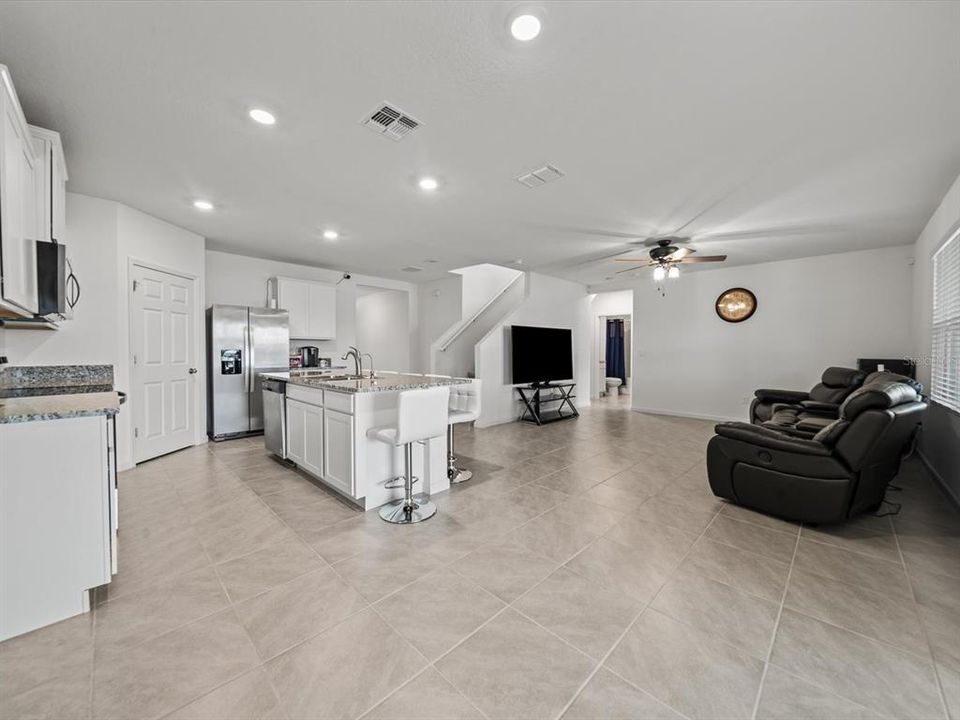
<point>19,211</point>
<point>312,307</point>
<point>51,183</point>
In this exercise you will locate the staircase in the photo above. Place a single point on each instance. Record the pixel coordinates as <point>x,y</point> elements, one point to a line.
<point>453,352</point>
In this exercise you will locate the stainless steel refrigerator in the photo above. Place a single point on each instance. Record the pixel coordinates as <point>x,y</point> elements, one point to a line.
<point>241,343</point>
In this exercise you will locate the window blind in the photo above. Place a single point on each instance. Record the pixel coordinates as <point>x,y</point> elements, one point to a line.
<point>945,353</point>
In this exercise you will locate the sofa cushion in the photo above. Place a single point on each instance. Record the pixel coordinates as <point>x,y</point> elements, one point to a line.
<point>881,394</point>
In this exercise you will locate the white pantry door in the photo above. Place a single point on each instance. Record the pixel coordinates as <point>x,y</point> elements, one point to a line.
<point>164,362</point>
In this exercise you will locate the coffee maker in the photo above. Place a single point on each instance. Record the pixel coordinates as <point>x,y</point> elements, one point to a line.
<point>309,356</point>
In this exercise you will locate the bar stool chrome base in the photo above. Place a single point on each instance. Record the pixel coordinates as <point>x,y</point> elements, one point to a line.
<point>400,513</point>
<point>457,475</point>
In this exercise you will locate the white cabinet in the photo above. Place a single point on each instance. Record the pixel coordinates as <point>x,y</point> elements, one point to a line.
<point>312,307</point>
<point>51,183</point>
<point>55,519</point>
<point>338,449</point>
<point>19,214</point>
<point>305,436</point>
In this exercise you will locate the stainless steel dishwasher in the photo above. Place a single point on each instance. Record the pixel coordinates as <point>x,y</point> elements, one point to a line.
<point>275,416</point>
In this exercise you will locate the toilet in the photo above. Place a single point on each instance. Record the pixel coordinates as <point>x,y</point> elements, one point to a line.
<point>613,386</point>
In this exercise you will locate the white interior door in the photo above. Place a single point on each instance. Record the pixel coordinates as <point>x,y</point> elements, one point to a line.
<point>164,362</point>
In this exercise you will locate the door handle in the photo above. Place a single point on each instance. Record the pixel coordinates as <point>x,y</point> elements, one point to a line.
<point>193,371</point>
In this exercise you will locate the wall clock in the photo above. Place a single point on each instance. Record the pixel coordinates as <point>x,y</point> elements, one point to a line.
<point>736,305</point>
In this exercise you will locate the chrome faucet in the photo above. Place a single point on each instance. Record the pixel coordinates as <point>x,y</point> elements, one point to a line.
<point>372,374</point>
<point>357,362</point>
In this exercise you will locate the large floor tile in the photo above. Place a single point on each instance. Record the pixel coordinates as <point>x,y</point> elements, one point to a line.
<point>506,569</point>
<point>935,590</point>
<point>658,545</point>
<point>239,528</point>
<point>512,668</point>
<point>743,620</point>
<point>344,671</point>
<point>622,569</point>
<point>688,669</point>
<point>263,569</point>
<point>747,571</point>
<point>249,697</point>
<point>163,674</point>
<point>868,672</point>
<point>608,697</point>
<point>869,535</point>
<point>377,573</point>
<point>427,697</point>
<point>297,610</point>
<point>552,538</point>
<point>786,697</point>
<point>438,611</point>
<point>856,568</point>
<point>950,682</point>
<point>738,512</point>
<point>753,538</point>
<point>580,611</point>
<point>64,698</point>
<point>64,649</point>
<point>691,519</point>
<point>883,617</point>
<point>134,618</point>
<point>943,629</point>
<point>586,515</point>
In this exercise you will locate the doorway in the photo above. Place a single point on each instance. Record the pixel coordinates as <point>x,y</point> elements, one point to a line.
<point>614,344</point>
<point>163,361</point>
<point>383,326</point>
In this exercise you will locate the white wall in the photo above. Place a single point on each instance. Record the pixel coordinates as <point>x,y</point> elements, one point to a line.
<point>242,280</point>
<point>438,303</point>
<point>811,313</point>
<point>102,236</point>
<point>383,322</point>
<point>940,440</point>
<point>91,336</point>
<point>144,238</point>
<point>480,283</point>
<point>550,302</point>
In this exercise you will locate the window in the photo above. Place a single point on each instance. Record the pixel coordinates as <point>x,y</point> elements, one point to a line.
<point>945,355</point>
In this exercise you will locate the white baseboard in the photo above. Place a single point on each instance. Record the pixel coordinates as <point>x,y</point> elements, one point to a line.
<point>939,478</point>
<point>695,416</point>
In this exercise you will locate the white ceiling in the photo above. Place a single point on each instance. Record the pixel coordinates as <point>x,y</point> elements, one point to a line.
<point>810,127</point>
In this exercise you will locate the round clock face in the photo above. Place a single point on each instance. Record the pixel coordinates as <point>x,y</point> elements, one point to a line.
<point>736,304</point>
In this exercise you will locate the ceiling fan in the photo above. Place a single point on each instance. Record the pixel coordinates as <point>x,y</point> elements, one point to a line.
<point>665,256</point>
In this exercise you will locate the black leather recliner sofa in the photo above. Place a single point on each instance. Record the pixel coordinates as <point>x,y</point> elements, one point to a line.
<point>824,398</point>
<point>840,472</point>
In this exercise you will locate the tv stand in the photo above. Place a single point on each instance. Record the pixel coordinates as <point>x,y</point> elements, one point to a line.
<point>537,396</point>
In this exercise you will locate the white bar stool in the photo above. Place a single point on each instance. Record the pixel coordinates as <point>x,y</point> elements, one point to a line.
<point>464,408</point>
<point>421,415</point>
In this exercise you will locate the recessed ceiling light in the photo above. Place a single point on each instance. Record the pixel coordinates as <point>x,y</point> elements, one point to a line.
<point>331,234</point>
<point>262,116</point>
<point>428,183</point>
<point>203,205</point>
<point>525,27</point>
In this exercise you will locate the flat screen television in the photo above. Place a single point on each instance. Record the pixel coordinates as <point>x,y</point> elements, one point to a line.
<point>540,354</point>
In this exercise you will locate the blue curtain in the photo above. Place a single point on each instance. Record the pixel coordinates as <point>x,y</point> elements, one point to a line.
<point>616,366</point>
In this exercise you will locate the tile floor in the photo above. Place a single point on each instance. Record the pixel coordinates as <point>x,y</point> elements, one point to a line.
<point>585,572</point>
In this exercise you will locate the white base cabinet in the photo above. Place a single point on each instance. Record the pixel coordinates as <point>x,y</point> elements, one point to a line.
<point>57,519</point>
<point>327,437</point>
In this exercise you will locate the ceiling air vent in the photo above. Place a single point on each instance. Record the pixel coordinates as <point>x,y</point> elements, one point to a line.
<point>390,121</point>
<point>540,176</point>
<point>411,268</point>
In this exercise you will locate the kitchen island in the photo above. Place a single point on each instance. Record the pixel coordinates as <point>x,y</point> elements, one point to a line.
<point>327,419</point>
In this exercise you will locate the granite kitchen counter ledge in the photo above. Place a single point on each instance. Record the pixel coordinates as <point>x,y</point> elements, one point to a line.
<point>385,382</point>
<point>58,407</point>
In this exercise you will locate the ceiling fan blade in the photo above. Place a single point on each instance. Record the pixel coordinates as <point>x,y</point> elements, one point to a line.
<point>633,260</point>
<point>631,269</point>
<point>679,254</point>
<point>703,258</point>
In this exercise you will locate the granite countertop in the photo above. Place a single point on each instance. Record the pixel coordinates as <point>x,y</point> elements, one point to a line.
<point>385,382</point>
<point>58,407</point>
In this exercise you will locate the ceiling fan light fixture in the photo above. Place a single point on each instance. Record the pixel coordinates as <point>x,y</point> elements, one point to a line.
<point>659,273</point>
<point>674,272</point>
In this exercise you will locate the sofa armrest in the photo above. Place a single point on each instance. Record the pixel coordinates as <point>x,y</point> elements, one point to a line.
<point>785,396</point>
<point>823,409</point>
<point>765,437</point>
